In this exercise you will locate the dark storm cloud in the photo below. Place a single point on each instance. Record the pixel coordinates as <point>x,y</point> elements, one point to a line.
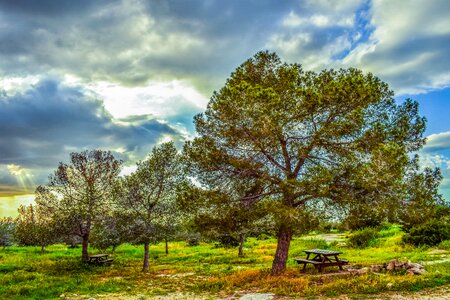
<point>130,42</point>
<point>49,7</point>
<point>42,125</point>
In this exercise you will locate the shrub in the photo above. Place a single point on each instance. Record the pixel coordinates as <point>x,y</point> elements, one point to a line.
<point>445,245</point>
<point>228,241</point>
<point>193,239</point>
<point>363,238</point>
<point>430,233</point>
<point>6,232</point>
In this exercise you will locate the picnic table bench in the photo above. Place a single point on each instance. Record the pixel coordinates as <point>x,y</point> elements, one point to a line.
<point>321,259</point>
<point>100,259</point>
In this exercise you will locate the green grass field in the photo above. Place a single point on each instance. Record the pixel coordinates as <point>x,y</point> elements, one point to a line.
<point>211,272</point>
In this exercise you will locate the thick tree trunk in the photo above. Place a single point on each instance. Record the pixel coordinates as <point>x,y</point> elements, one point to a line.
<point>167,246</point>
<point>241,244</point>
<point>145,267</point>
<point>85,244</point>
<point>281,255</point>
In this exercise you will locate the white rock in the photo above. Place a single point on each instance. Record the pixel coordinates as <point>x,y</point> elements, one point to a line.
<point>257,297</point>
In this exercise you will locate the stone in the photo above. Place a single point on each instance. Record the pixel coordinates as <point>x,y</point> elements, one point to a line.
<point>415,271</point>
<point>257,297</point>
<point>377,268</point>
<point>414,266</point>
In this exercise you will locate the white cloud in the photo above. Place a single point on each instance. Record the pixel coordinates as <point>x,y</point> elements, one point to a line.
<point>409,45</point>
<point>437,142</point>
<point>160,99</point>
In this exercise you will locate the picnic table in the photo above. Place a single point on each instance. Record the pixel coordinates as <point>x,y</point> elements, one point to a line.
<point>321,259</point>
<point>100,259</point>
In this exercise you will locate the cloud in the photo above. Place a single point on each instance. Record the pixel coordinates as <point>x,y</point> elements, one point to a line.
<point>43,124</point>
<point>436,154</point>
<point>409,45</point>
<point>316,33</point>
<point>135,42</point>
<point>172,101</point>
<point>132,42</point>
<point>438,142</point>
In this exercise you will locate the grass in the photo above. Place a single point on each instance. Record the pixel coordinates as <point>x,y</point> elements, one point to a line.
<point>26,273</point>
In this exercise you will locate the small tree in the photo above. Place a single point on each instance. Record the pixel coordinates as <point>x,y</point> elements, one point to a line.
<point>106,233</point>
<point>420,197</point>
<point>7,228</point>
<point>221,217</point>
<point>34,227</point>
<point>303,137</point>
<point>146,197</point>
<point>79,193</point>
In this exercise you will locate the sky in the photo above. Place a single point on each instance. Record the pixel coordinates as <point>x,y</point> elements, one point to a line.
<point>124,75</point>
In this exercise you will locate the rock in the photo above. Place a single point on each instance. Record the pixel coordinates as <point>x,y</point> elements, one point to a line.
<point>257,297</point>
<point>396,265</point>
<point>391,265</point>
<point>389,285</point>
<point>62,296</point>
<point>414,266</point>
<point>415,271</point>
<point>358,271</point>
<point>377,268</point>
<point>363,270</point>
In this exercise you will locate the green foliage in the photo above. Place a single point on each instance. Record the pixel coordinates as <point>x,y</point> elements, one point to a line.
<point>276,133</point>
<point>428,234</point>
<point>206,271</point>
<point>7,228</point>
<point>107,233</point>
<point>79,194</point>
<point>34,227</point>
<point>146,199</point>
<point>363,238</point>
<point>445,245</point>
<point>421,199</point>
<point>227,241</point>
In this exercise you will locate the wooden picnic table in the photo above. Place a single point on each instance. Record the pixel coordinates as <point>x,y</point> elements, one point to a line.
<point>321,259</point>
<point>99,259</point>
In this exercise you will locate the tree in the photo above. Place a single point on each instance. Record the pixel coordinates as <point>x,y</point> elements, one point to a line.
<point>107,233</point>
<point>7,228</point>
<point>79,193</point>
<point>302,137</point>
<point>222,217</point>
<point>34,227</point>
<point>421,198</point>
<point>146,197</point>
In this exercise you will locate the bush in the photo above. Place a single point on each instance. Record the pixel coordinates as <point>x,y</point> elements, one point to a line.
<point>363,238</point>
<point>227,241</point>
<point>445,245</point>
<point>428,234</point>
<point>193,239</point>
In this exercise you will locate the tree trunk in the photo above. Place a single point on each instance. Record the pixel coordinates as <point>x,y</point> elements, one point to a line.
<point>145,267</point>
<point>113,248</point>
<point>85,243</point>
<point>241,244</point>
<point>281,255</point>
<point>42,248</point>
<point>167,246</point>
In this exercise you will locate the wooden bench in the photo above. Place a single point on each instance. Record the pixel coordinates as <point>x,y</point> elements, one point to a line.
<point>307,261</point>
<point>105,261</point>
<point>100,259</point>
<point>322,259</point>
